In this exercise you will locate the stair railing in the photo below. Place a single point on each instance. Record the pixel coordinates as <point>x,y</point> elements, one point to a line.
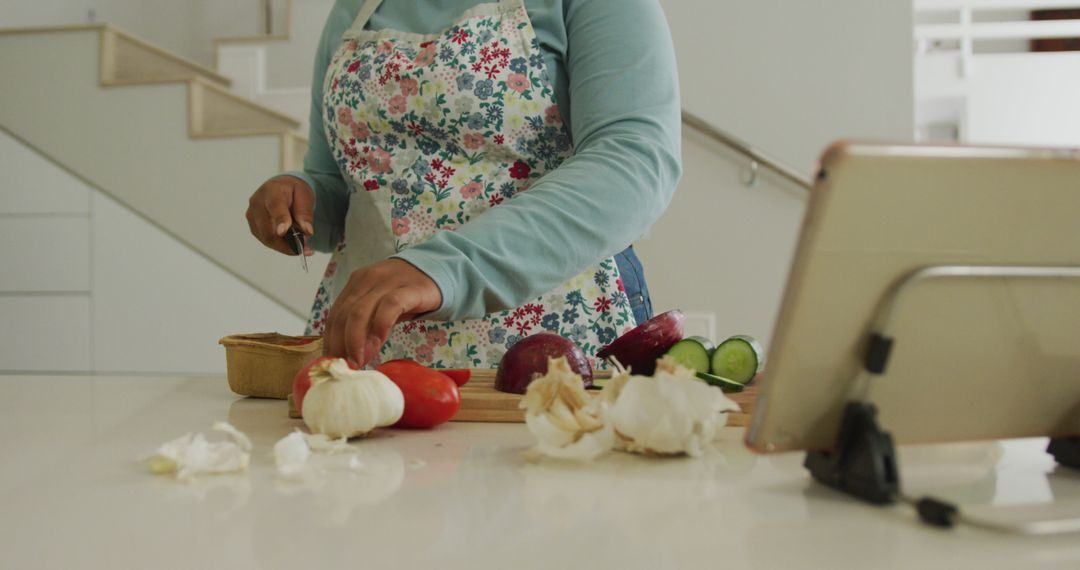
<point>758,158</point>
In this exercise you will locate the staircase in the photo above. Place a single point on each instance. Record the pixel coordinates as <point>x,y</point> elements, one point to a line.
<point>275,69</point>
<point>189,152</point>
<point>187,145</point>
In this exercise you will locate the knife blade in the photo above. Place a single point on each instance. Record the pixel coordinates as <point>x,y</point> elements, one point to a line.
<point>295,238</point>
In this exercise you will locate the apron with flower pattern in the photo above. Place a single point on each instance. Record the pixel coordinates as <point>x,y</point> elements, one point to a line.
<point>431,131</point>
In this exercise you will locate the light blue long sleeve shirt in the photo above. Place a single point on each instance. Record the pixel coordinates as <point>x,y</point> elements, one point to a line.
<point>612,65</point>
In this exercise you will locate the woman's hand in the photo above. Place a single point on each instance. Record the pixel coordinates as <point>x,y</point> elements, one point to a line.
<point>375,299</point>
<point>274,207</point>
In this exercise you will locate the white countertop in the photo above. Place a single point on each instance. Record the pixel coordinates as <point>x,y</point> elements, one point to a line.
<point>461,496</point>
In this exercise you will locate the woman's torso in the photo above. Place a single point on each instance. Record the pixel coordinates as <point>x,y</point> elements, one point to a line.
<point>431,17</point>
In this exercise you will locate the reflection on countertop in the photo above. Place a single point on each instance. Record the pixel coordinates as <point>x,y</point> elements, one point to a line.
<point>464,496</point>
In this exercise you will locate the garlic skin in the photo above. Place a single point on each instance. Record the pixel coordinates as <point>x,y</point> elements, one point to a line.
<point>292,452</point>
<point>670,413</point>
<point>191,455</point>
<point>320,443</point>
<point>343,402</point>
<point>291,455</point>
<point>567,422</point>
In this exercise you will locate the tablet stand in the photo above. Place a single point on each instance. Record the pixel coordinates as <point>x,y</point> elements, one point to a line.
<point>1066,451</point>
<point>863,462</point>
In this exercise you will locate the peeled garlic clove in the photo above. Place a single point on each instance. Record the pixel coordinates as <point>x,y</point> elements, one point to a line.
<point>190,455</point>
<point>165,459</point>
<point>671,413</point>
<point>343,402</point>
<point>565,420</point>
<point>554,442</point>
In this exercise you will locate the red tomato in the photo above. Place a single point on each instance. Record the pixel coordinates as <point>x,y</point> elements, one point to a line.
<point>431,397</point>
<point>302,381</point>
<point>460,376</point>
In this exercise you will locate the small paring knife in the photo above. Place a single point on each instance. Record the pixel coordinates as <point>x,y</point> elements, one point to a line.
<point>295,238</point>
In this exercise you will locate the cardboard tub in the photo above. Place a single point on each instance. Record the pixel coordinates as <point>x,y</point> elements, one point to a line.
<point>263,364</point>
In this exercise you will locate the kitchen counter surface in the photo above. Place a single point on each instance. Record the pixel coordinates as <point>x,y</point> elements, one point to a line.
<point>72,495</point>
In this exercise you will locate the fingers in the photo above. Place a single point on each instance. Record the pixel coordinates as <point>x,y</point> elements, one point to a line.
<point>277,204</point>
<point>355,334</point>
<point>375,299</point>
<point>363,325</point>
<point>350,336</point>
<point>303,207</point>
<point>274,207</point>
<point>393,308</point>
<point>344,308</point>
<point>333,335</point>
<point>261,228</point>
<point>303,210</point>
<point>368,326</point>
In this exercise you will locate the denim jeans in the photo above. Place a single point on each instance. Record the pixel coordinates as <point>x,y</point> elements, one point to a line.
<point>633,278</point>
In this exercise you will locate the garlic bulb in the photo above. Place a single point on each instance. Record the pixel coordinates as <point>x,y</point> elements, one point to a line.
<point>670,413</point>
<point>343,402</point>
<point>566,421</point>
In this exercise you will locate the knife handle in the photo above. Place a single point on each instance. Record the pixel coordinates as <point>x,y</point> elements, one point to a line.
<point>295,238</point>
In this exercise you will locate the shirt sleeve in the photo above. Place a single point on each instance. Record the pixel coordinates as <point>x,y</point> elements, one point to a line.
<point>321,170</point>
<point>626,128</point>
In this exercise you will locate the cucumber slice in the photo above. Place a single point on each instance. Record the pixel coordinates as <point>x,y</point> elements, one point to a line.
<point>725,384</point>
<point>738,358</point>
<point>692,352</point>
<point>710,345</point>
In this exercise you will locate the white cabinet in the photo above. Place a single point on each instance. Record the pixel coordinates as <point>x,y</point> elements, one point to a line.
<point>45,333</point>
<point>161,307</point>
<point>50,253</point>
<point>33,185</point>
<point>87,285</point>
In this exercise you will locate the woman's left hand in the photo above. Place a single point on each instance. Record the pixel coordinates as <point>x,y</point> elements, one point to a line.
<point>375,299</point>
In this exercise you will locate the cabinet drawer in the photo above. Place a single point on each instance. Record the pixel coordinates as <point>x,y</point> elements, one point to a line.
<point>44,253</point>
<point>33,185</point>
<point>45,333</point>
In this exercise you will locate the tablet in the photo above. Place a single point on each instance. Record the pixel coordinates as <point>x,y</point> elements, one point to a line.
<point>972,358</point>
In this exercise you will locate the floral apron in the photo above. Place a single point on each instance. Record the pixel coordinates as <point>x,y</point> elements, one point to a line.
<point>431,131</point>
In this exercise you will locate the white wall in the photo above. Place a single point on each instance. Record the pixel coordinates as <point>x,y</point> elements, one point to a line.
<point>289,64</point>
<point>1001,93</point>
<point>278,73</point>
<point>186,27</point>
<point>1024,99</point>
<point>788,76</point>
<point>791,76</point>
<point>89,286</point>
<point>723,249</point>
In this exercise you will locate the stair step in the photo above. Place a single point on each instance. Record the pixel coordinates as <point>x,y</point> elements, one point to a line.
<point>128,60</point>
<point>256,39</point>
<point>293,148</point>
<point>150,162</point>
<point>217,112</point>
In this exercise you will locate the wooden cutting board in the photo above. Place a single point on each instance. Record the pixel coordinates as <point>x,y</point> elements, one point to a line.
<point>481,402</point>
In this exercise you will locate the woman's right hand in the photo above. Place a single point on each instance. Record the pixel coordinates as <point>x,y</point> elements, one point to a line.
<point>274,207</point>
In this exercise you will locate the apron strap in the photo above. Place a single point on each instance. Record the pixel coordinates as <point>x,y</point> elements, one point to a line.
<point>365,13</point>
